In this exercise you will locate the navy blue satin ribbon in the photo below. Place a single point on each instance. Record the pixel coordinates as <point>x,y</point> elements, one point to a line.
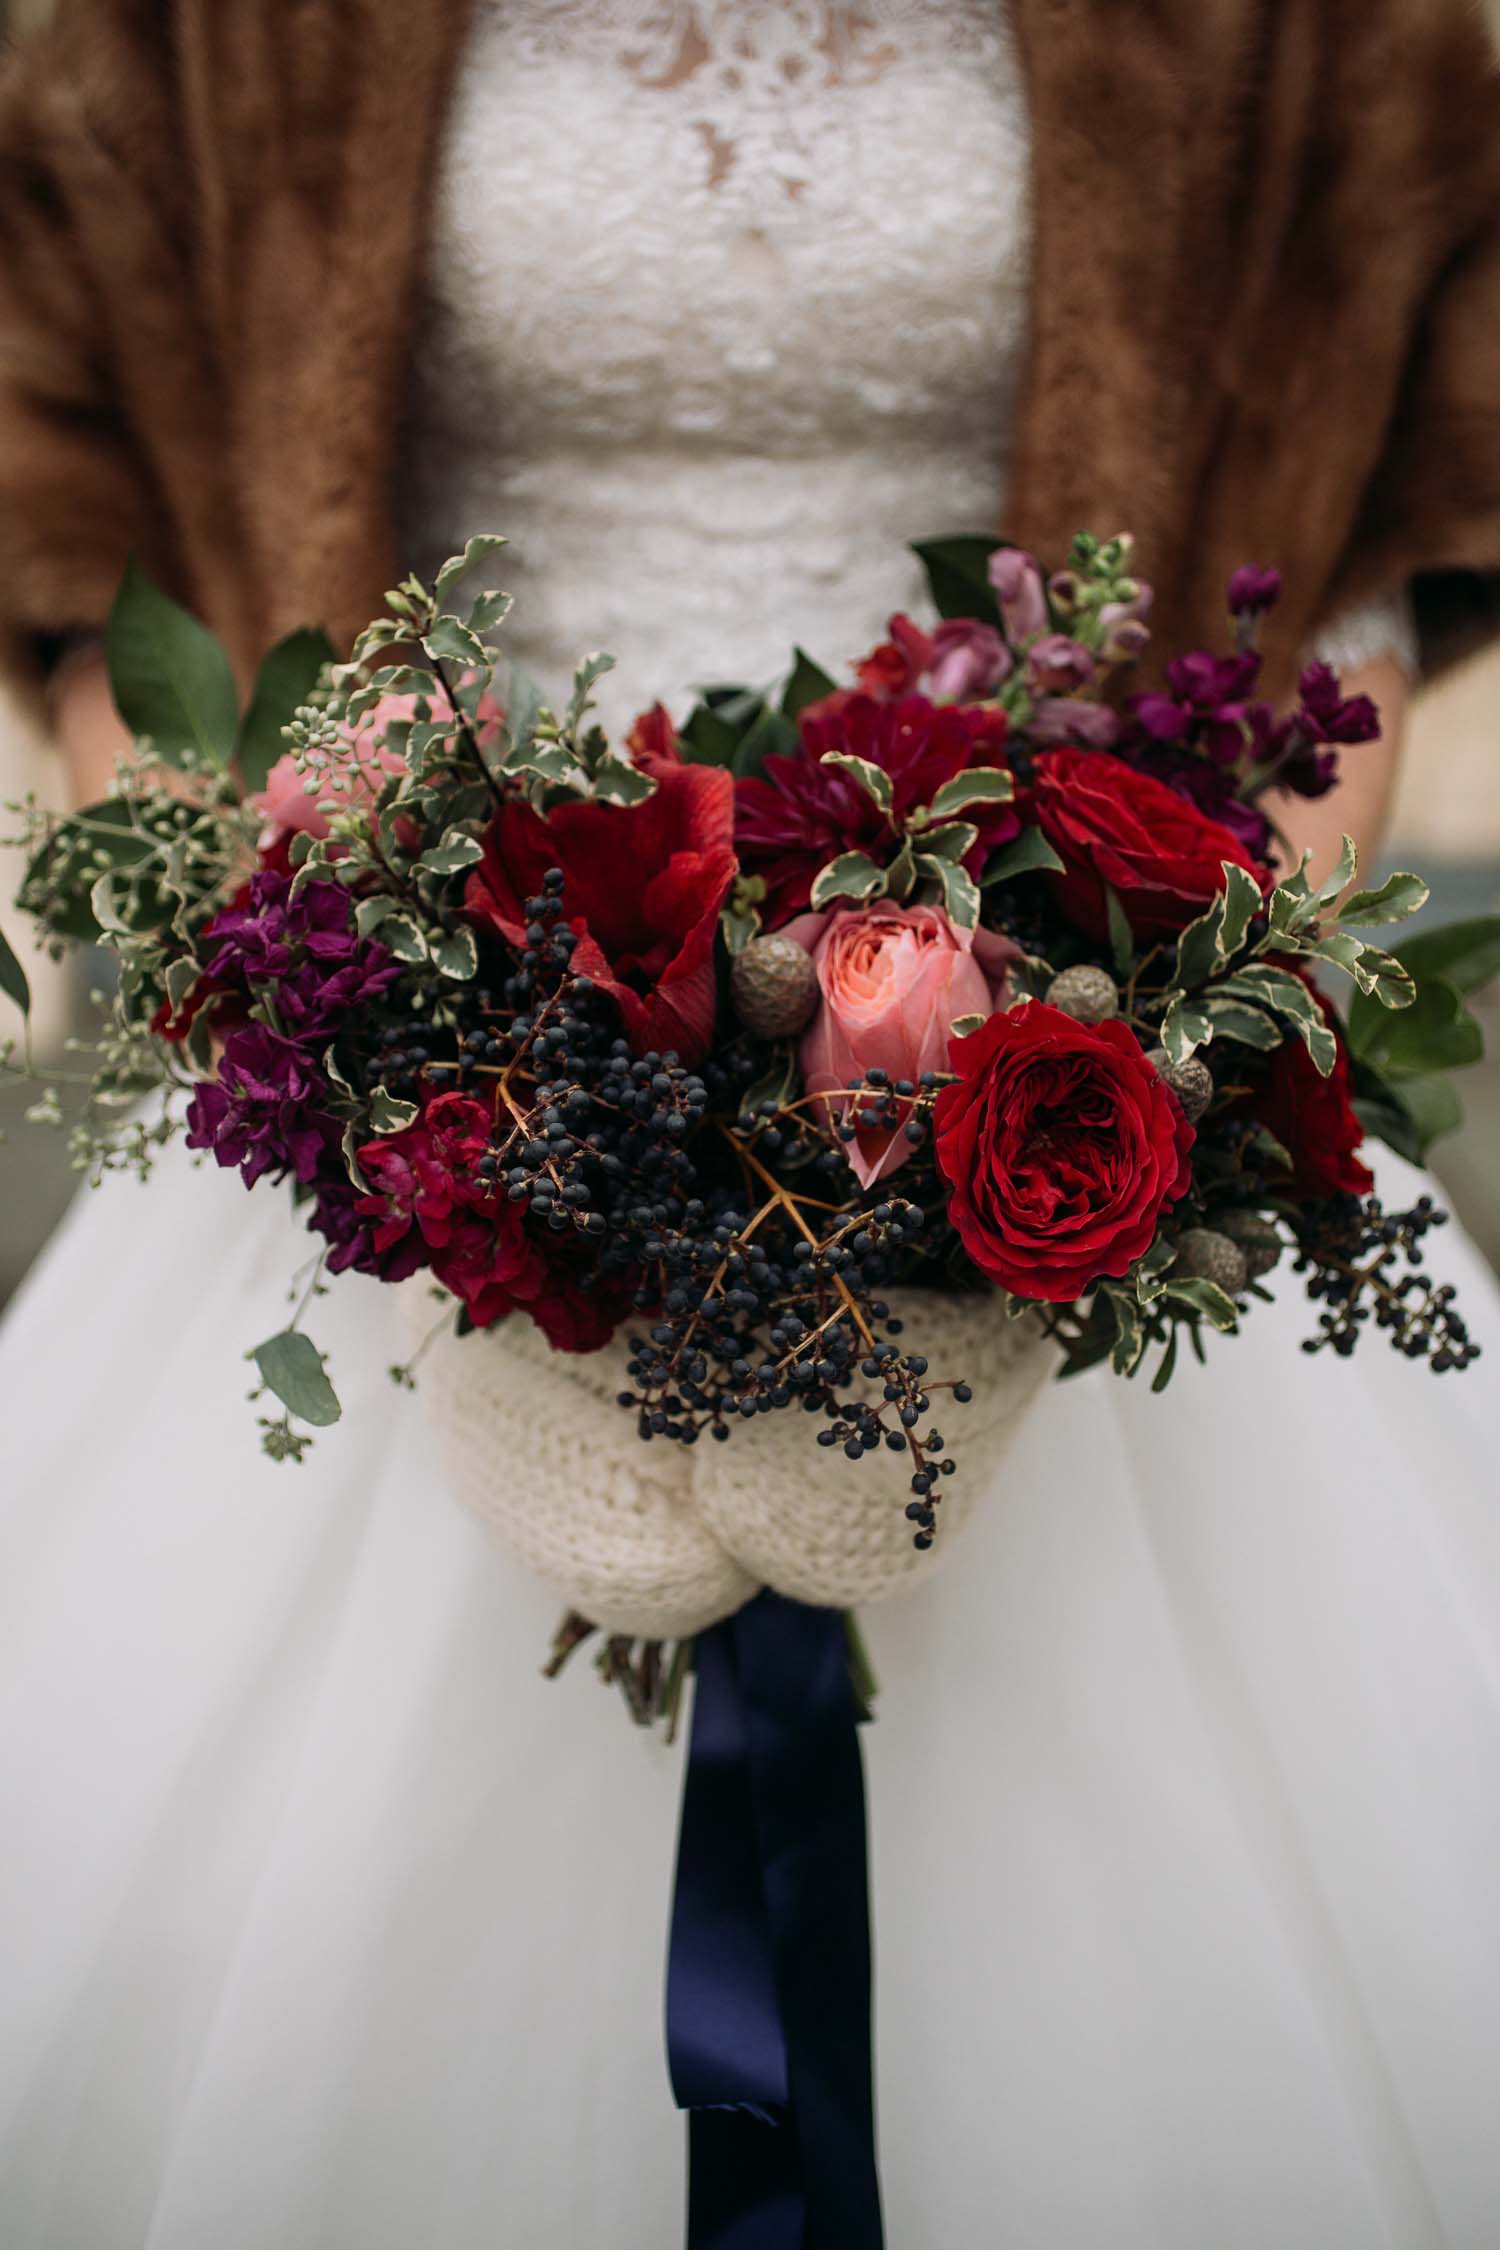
<point>768,1984</point>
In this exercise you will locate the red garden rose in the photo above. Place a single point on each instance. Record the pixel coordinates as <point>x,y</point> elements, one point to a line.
<point>1062,1148</point>
<point>802,814</point>
<point>1313,1117</point>
<point>644,885</point>
<point>1110,824</point>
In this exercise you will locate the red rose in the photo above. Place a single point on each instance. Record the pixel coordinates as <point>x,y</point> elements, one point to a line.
<point>1062,1148</point>
<point>803,813</point>
<point>1313,1117</point>
<point>644,885</point>
<point>1110,824</point>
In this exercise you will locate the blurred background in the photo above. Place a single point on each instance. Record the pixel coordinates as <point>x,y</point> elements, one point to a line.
<point>1447,826</point>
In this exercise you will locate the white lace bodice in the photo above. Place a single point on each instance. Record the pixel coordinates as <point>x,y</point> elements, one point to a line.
<point>726,305</point>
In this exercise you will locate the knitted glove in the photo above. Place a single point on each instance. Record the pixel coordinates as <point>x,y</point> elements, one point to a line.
<point>661,1540</point>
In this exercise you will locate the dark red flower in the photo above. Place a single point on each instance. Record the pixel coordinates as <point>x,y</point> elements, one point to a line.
<point>1313,1117</point>
<point>1062,1148</point>
<point>804,813</point>
<point>1111,824</point>
<point>643,888</point>
<point>427,1183</point>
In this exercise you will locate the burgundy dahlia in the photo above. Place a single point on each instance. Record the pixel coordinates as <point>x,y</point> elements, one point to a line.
<point>804,813</point>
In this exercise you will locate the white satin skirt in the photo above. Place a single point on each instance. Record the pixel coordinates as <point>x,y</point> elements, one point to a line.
<point>327,1924</point>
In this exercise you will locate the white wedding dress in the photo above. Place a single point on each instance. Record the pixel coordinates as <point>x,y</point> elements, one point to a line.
<point>325,1923</point>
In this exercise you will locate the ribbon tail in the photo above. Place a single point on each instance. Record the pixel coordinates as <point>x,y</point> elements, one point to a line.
<point>768,1993</point>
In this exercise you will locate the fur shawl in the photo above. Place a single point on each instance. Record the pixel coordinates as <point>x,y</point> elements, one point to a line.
<point>1266,318</point>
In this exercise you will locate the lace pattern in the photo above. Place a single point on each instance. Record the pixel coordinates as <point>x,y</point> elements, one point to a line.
<point>726,305</point>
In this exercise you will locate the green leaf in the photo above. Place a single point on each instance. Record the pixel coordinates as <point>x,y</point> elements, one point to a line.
<point>478,550</point>
<point>169,677</point>
<point>401,933</point>
<point>704,739</point>
<point>1437,1032</point>
<point>953,841</point>
<point>1198,948</point>
<point>1207,1298</point>
<point>851,875</point>
<point>286,679</point>
<point>769,735</point>
<point>1121,935</point>
<point>1185,1027</point>
<point>456,955</point>
<point>962,1026</point>
<point>618,782</point>
<point>1163,1375</point>
<point>371,912</point>
<point>13,981</point>
<point>1384,978</point>
<point>488,612</point>
<point>388,1115</point>
<point>958,575</point>
<point>1030,853</point>
<point>872,779</point>
<point>1434,1107</point>
<point>981,785</point>
<point>809,683</point>
<point>1467,952</point>
<point>451,642</point>
<point>456,851</point>
<point>1398,896</point>
<point>959,891</point>
<point>291,1366</point>
<point>586,678</point>
<point>1242,902</point>
<point>1232,1019</point>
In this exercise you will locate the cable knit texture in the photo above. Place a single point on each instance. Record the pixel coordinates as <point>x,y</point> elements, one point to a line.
<point>663,1540</point>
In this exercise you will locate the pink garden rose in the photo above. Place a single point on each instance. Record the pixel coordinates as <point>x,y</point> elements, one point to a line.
<point>287,802</point>
<point>893,978</point>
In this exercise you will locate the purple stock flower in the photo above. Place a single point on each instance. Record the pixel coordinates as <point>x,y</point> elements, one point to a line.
<point>304,947</point>
<point>1328,715</point>
<point>1253,591</point>
<point>1017,581</point>
<point>264,1112</point>
<point>1067,718</point>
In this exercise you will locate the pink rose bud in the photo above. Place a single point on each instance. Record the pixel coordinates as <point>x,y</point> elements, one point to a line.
<point>1017,581</point>
<point>892,980</point>
<point>1056,665</point>
<point>291,799</point>
<point>969,660</point>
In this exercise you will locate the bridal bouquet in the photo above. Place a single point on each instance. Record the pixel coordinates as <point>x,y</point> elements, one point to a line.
<point>744,1048</point>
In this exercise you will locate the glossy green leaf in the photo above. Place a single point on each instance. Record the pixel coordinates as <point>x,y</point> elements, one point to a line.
<point>286,679</point>
<point>958,576</point>
<point>808,683</point>
<point>1121,936</point>
<point>13,979</point>
<point>1466,952</point>
<point>1029,853</point>
<point>170,678</point>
